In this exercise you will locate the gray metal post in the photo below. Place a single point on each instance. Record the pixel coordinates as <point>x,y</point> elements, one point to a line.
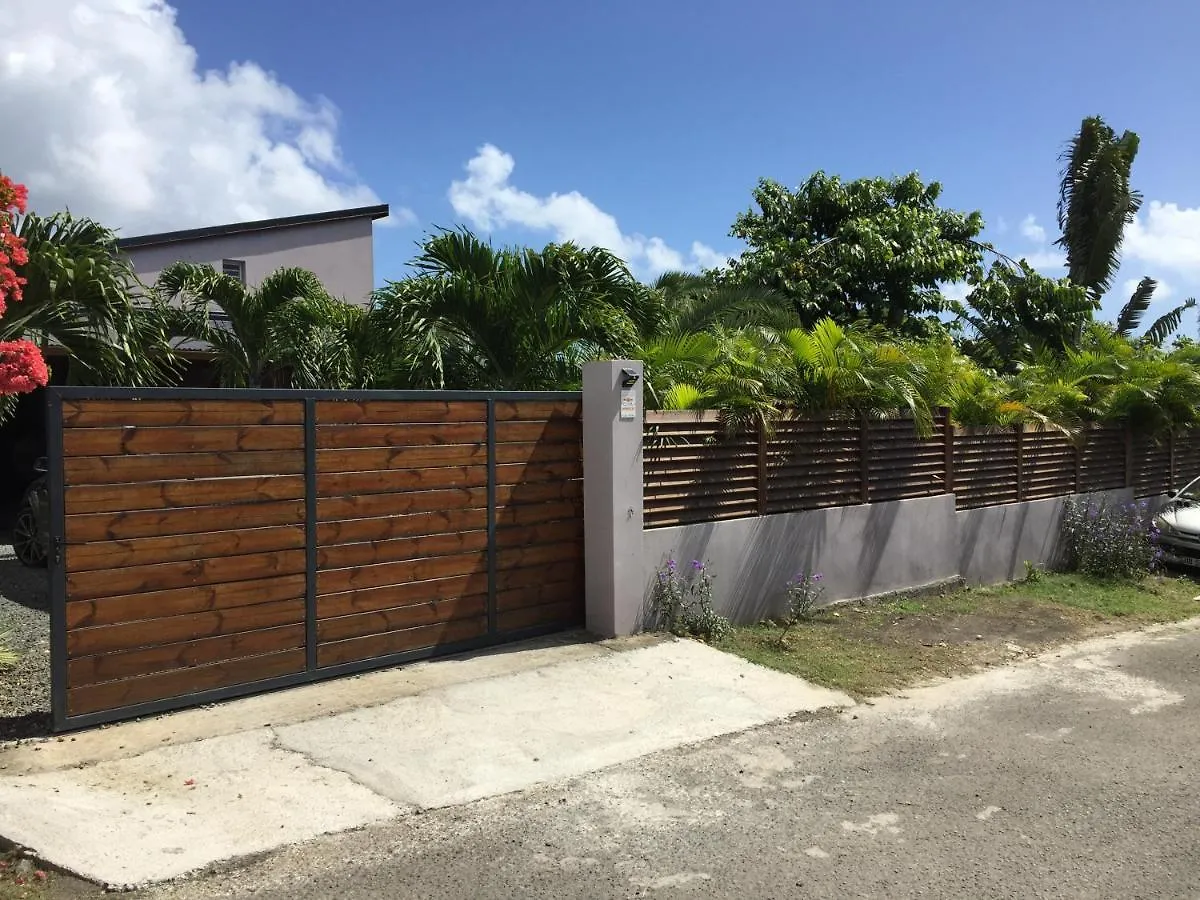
<point>612,496</point>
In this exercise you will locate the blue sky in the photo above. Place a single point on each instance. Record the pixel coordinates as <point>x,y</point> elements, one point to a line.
<point>661,116</point>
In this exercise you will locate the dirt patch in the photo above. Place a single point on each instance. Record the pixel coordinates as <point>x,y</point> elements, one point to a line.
<point>872,648</point>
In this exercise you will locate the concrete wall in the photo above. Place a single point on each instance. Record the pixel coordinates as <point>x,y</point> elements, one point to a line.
<point>340,253</point>
<point>995,541</point>
<point>861,550</point>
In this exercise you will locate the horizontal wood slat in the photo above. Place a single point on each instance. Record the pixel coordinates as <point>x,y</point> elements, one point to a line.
<point>555,431</point>
<point>398,549</point>
<point>162,413</point>
<point>193,439</point>
<point>382,644</point>
<point>165,657</point>
<point>362,460</point>
<point>414,615</point>
<point>143,551</point>
<point>441,522</point>
<point>172,629</point>
<point>397,595</point>
<point>159,604</point>
<point>113,695</point>
<point>332,581</point>
<point>389,481</point>
<point>114,526</point>
<point>566,614</point>
<point>407,435</point>
<point>537,410</point>
<point>395,412</point>
<point>91,498</point>
<point>366,506</point>
<point>93,584</point>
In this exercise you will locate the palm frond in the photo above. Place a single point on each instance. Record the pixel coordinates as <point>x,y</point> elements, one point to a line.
<point>1165,325</point>
<point>1131,313</point>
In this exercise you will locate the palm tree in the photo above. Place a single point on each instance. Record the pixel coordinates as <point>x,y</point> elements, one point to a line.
<point>693,303</point>
<point>247,327</point>
<point>474,316</point>
<point>860,369</point>
<point>1095,203</point>
<point>83,300</point>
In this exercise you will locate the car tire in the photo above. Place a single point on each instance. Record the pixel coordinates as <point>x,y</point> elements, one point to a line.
<point>28,543</point>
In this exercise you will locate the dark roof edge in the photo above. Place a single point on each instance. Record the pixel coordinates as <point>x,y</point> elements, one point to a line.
<point>192,234</point>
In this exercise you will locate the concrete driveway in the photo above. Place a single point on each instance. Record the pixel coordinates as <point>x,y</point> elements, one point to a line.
<point>147,801</point>
<point>1072,775</point>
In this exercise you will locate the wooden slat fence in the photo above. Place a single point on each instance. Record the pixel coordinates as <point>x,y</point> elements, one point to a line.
<point>696,471</point>
<point>223,545</point>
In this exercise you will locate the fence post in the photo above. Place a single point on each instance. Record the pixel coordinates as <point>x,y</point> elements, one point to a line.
<point>762,468</point>
<point>864,459</point>
<point>613,482</point>
<point>310,534</point>
<point>1020,460</point>
<point>1171,457</point>
<point>948,452</point>
<point>1078,446</point>
<point>1128,456</point>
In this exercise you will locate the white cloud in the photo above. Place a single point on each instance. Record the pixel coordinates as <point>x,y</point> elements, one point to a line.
<point>1166,236</point>
<point>955,290</point>
<point>488,200</point>
<point>1032,230</point>
<point>708,258</point>
<point>111,117</point>
<point>1047,260</point>
<point>399,217</point>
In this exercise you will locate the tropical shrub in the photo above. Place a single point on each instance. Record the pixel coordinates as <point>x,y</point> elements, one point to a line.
<point>804,591</point>
<point>22,368</point>
<point>1106,540</point>
<point>682,602</point>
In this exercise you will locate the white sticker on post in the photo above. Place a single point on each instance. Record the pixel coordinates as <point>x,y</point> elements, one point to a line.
<point>628,405</point>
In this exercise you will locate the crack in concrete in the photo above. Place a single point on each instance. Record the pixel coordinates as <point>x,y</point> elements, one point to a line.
<point>405,806</point>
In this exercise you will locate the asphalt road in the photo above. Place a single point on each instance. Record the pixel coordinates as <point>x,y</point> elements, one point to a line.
<point>1064,777</point>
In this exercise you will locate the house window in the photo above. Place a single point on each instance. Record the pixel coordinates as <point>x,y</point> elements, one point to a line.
<point>234,268</point>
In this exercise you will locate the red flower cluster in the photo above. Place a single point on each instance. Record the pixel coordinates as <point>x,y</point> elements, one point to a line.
<point>22,368</point>
<point>13,198</point>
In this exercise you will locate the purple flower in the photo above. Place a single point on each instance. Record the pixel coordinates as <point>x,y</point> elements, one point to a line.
<point>817,577</point>
<point>697,565</point>
<point>671,566</point>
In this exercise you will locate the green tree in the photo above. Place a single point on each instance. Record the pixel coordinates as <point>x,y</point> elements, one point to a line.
<point>874,249</point>
<point>517,319</point>
<point>243,326</point>
<point>1016,314</point>
<point>83,300</point>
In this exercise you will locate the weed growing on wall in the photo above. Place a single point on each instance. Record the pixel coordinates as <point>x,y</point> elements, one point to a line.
<point>1108,540</point>
<point>682,602</point>
<point>804,592</point>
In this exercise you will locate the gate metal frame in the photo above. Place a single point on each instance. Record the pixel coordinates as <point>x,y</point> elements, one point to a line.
<point>55,396</point>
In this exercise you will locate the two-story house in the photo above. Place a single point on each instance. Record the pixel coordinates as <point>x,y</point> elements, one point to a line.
<point>337,246</point>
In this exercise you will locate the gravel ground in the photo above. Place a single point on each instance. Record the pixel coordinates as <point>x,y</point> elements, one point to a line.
<point>25,616</point>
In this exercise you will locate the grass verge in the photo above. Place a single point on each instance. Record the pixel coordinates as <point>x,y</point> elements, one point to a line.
<point>20,880</point>
<point>870,648</point>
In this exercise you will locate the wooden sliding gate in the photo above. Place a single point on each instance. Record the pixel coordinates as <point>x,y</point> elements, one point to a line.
<point>213,543</point>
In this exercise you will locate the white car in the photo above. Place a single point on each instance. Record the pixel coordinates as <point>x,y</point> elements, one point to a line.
<point>1178,524</point>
